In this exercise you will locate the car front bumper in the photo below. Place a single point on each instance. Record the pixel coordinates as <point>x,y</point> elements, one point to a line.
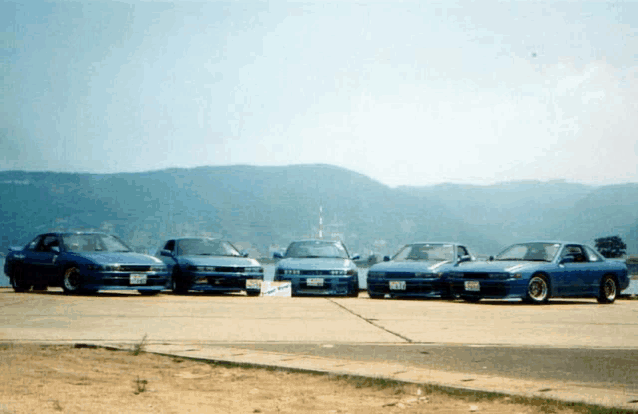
<point>414,287</point>
<point>155,281</point>
<point>222,282</point>
<point>490,288</point>
<point>329,286</point>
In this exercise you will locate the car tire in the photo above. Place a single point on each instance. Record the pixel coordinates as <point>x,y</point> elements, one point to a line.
<point>148,292</point>
<point>537,290</point>
<point>177,285</point>
<point>471,299</point>
<point>18,283</point>
<point>253,292</point>
<point>608,290</point>
<point>354,293</point>
<point>72,281</point>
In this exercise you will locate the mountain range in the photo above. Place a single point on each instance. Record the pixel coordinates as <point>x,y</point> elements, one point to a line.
<point>262,209</point>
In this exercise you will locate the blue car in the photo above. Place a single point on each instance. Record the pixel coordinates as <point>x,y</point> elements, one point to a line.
<point>416,271</point>
<point>318,267</point>
<point>83,262</point>
<point>536,271</point>
<point>213,265</point>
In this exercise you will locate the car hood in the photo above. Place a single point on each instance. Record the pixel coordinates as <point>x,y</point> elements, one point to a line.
<point>119,258</point>
<point>316,263</point>
<point>217,261</point>
<point>497,266</point>
<point>421,266</point>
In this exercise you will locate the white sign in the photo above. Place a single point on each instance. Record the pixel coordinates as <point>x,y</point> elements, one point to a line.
<point>283,289</point>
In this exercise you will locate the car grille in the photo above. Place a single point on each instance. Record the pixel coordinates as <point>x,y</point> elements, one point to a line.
<point>135,268</point>
<point>476,275</point>
<point>227,269</point>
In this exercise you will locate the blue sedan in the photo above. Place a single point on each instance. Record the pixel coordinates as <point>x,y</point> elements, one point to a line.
<point>318,267</point>
<point>83,262</point>
<point>536,271</point>
<point>205,264</point>
<point>416,271</point>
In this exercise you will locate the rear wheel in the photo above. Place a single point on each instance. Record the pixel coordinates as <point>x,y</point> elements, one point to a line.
<point>72,281</point>
<point>537,290</point>
<point>608,290</point>
<point>18,281</point>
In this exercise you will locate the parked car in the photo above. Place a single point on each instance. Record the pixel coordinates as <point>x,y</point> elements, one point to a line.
<point>82,262</point>
<point>416,271</point>
<point>206,264</point>
<point>536,271</point>
<point>318,267</point>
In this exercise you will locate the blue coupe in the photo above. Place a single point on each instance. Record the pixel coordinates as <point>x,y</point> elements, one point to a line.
<point>205,264</point>
<point>83,262</point>
<point>537,271</point>
<point>416,271</point>
<point>318,267</point>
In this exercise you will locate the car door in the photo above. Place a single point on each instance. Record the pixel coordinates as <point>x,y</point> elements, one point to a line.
<point>595,270</point>
<point>42,259</point>
<point>572,278</point>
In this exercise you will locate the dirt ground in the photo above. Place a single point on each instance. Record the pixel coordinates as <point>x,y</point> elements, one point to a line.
<point>65,379</point>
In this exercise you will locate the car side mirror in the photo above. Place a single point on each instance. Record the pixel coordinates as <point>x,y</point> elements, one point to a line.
<point>490,258</point>
<point>386,258</point>
<point>55,249</point>
<point>355,257</point>
<point>165,252</point>
<point>244,253</point>
<point>277,255</point>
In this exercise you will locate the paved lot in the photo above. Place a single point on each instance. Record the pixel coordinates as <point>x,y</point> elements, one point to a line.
<point>577,341</point>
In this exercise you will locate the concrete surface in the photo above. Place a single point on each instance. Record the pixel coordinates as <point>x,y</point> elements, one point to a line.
<point>276,331</point>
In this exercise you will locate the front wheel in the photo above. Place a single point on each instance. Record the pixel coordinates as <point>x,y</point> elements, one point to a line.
<point>18,283</point>
<point>71,282</point>
<point>608,290</point>
<point>177,286</point>
<point>537,290</point>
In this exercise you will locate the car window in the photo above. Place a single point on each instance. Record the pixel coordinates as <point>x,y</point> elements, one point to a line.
<point>463,251</point>
<point>205,247</point>
<point>426,252</point>
<point>46,243</point>
<point>94,242</point>
<point>315,249</point>
<point>576,252</point>
<point>592,255</point>
<point>33,244</point>
<point>170,245</point>
<point>535,251</point>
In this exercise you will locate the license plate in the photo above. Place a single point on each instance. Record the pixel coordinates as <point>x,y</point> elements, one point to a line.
<point>253,284</point>
<point>316,281</point>
<point>472,286</point>
<point>137,279</point>
<point>397,285</point>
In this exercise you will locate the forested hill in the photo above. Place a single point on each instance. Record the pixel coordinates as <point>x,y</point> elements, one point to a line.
<point>264,208</point>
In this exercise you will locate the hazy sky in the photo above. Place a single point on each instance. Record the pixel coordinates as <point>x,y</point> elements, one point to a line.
<point>408,93</point>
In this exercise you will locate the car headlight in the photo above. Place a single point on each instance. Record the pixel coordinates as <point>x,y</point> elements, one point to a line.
<point>438,275</point>
<point>201,268</point>
<point>158,268</point>
<point>499,276</point>
<point>376,274</point>
<point>291,272</point>
<point>516,275</point>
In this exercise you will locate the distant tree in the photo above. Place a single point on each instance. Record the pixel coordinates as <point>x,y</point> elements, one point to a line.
<point>611,247</point>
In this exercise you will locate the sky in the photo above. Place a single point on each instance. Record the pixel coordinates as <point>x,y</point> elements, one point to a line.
<point>408,93</point>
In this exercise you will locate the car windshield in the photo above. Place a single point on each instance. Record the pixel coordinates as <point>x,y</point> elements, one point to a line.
<point>205,247</point>
<point>426,252</point>
<point>314,249</point>
<point>94,243</point>
<point>534,252</point>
